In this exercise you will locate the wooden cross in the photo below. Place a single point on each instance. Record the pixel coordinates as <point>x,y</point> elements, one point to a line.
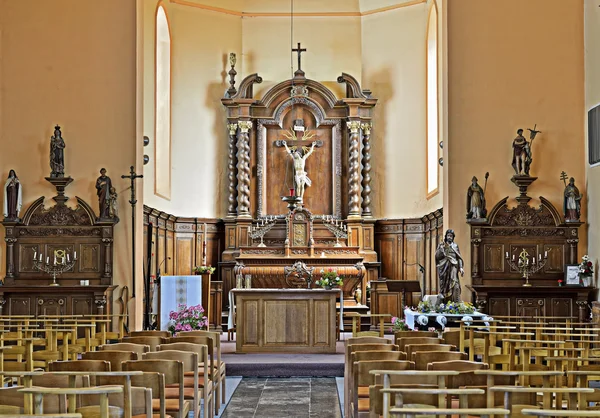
<point>299,50</point>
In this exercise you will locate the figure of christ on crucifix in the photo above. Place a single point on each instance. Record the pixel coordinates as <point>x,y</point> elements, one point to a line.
<point>301,179</point>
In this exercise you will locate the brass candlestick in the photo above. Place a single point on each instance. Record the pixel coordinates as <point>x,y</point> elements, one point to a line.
<point>527,266</point>
<point>60,263</point>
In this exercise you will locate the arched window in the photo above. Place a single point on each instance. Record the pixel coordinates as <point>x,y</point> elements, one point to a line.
<point>162,142</point>
<point>432,102</point>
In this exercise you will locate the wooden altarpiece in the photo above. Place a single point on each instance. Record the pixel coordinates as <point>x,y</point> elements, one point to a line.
<point>26,290</point>
<point>499,288</point>
<point>260,173</point>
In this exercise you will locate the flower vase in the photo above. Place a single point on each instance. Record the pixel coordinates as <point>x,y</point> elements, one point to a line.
<point>586,280</point>
<point>327,287</point>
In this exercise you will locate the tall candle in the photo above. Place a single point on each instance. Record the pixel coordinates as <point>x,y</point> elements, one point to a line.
<point>47,260</point>
<point>35,255</point>
<point>40,257</point>
<point>75,255</point>
<point>507,254</point>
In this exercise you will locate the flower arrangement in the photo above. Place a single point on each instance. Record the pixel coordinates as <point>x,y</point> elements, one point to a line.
<point>448,308</point>
<point>329,278</point>
<point>187,318</point>
<point>204,269</point>
<point>586,268</point>
<point>561,282</point>
<point>399,324</point>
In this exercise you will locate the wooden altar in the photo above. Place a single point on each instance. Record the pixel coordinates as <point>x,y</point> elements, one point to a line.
<point>260,173</point>
<point>28,291</point>
<point>286,320</point>
<point>498,288</point>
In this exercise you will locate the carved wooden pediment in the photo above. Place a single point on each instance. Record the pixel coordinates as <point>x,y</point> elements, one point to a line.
<point>59,215</point>
<point>524,215</point>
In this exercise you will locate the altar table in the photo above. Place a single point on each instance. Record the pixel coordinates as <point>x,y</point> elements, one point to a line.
<point>285,320</point>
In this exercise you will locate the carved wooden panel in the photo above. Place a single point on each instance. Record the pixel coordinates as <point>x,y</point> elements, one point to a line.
<point>286,322</point>
<point>389,303</point>
<point>278,171</point>
<point>413,257</point>
<point>230,233</point>
<point>81,305</point>
<point>26,252</point>
<point>51,305</point>
<point>531,306</point>
<point>89,258</point>
<point>300,235</point>
<point>556,258</point>
<point>561,307</point>
<point>493,258</point>
<point>170,253</point>
<point>499,306</point>
<point>515,250</point>
<point>322,323</point>
<point>20,306</point>
<point>249,316</point>
<point>388,256</point>
<point>184,249</point>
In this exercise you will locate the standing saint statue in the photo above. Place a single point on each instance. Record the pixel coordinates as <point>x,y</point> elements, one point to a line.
<point>113,211</point>
<point>475,201</point>
<point>57,154</point>
<point>103,186</point>
<point>449,264</point>
<point>572,202</point>
<point>13,196</point>
<point>521,154</point>
<point>301,179</point>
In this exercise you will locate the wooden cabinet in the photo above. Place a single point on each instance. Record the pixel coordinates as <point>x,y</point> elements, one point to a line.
<point>534,301</point>
<point>63,300</point>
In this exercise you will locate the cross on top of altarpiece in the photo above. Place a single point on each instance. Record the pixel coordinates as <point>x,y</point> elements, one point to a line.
<point>299,51</point>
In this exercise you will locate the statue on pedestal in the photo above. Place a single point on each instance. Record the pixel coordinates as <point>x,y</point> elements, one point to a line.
<point>521,161</point>
<point>301,179</point>
<point>103,186</point>
<point>13,196</point>
<point>57,154</point>
<point>572,202</point>
<point>449,264</point>
<point>476,200</point>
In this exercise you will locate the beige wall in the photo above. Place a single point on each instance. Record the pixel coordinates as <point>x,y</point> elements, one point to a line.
<point>201,41</point>
<point>71,63</point>
<point>396,73</point>
<point>592,99</point>
<point>509,67</point>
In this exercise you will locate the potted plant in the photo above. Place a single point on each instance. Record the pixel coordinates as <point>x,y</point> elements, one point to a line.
<point>187,318</point>
<point>329,279</point>
<point>586,270</point>
<point>204,270</point>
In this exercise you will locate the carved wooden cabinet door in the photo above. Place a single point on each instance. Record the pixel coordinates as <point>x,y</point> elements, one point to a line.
<point>20,305</point>
<point>531,307</point>
<point>51,305</point>
<point>561,307</point>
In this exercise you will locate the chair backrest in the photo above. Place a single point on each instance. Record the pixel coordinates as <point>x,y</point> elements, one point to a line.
<point>402,342</point>
<point>466,368</point>
<point>12,402</point>
<point>151,333</point>
<point>151,340</point>
<point>208,341</point>
<point>188,358</point>
<point>200,349</point>
<point>153,381</point>
<point>405,334</point>
<point>362,376</point>
<point>423,358</point>
<point>377,355</point>
<point>413,348</point>
<point>56,403</point>
<point>376,398</point>
<point>114,357</point>
<point>139,349</point>
<point>367,340</point>
<point>80,366</point>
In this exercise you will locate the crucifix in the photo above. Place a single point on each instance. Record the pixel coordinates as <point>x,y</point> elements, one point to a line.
<point>299,50</point>
<point>132,176</point>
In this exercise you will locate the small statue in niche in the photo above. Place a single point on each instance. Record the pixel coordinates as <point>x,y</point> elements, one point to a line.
<point>113,211</point>
<point>572,202</point>
<point>449,264</point>
<point>57,154</point>
<point>476,200</point>
<point>13,196</point>
<point>521,154</point>
<point>103,186</point>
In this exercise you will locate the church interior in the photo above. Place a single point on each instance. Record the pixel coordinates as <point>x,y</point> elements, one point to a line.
<point>370,207</point>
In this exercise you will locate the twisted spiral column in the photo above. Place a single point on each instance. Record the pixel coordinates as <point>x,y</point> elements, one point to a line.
<point>243,167</point>
<point>232,199</point>
<point>366,169</point>
<point>353,170</point>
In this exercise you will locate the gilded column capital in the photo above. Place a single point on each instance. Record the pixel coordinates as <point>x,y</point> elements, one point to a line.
<point>245,125</point>
<point>366,127</point>
<point>232,128</point>
<point>353,126</point>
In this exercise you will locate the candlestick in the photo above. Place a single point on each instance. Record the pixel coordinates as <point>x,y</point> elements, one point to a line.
<point>545,254</point>
<point>41,257</point>
<point>507,254</point>
<point>68,258</point>
<point>292,192</point>
<point>34,255</point>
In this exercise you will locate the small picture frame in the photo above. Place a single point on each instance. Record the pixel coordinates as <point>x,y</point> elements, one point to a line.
<point>572,275</point>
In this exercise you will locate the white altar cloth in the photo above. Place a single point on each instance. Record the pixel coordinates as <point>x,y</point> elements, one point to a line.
<point>411,317</point>
<point>231,320</point>
<point>175,291</point>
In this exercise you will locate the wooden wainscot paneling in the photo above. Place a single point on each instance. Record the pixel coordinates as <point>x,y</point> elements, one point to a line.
<point>185,246</point>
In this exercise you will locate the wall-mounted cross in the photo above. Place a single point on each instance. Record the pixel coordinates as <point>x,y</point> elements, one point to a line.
<point>299,50</point>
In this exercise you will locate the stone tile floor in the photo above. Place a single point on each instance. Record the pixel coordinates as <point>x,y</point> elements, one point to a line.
<point>292,397</point>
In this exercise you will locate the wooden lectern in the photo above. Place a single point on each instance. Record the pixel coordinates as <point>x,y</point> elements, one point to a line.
<point>403,286</point>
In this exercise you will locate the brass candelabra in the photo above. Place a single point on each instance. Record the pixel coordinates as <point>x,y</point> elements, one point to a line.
<point>526,265</point>
<point>337,228</point>
<point>60,263</point>
<point>263,226</point>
